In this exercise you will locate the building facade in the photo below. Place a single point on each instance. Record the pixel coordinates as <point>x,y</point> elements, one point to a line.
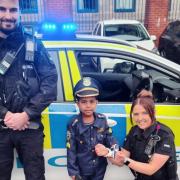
<point>155,15</point>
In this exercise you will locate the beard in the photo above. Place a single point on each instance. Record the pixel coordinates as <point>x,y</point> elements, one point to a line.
<point>7,30</point>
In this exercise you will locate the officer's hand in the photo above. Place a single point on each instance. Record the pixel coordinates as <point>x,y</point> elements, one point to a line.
<point>17,121</point>
<point>73,177</point>
<point>101,150</point>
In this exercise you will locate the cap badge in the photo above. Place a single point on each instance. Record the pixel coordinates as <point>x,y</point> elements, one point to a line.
<point>86,81</point>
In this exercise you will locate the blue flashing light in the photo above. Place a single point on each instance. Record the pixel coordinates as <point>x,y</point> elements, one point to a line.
<point>50,30</point>
<point>49,27</point>
<point>69,27</point>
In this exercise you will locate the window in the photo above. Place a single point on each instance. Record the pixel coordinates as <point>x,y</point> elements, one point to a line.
<point>110,71</point>
<point>121,76</point>
<point>87,6</point>
<point>169,5</point>
<point>127,32</point>
<point>54,56</point>
<point>125,5</point>
<point>28,6</point>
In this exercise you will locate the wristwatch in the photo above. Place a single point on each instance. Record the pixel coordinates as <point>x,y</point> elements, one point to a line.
<point>126,161</point>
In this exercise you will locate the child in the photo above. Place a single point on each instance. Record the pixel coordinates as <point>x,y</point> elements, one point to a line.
<point>85,131</point>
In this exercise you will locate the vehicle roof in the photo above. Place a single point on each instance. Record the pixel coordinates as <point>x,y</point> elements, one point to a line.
<point>119,21</point>
<point>103,39</point>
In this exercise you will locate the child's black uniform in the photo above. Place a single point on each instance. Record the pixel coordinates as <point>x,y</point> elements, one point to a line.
<point>81,140</point>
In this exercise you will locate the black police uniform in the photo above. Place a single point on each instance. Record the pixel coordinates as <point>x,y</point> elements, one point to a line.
<point>41,89</point>
<point>137,143</point>
<point>81,140</point>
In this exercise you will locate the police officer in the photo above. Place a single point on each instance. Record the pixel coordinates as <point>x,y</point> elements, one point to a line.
<point>28,81</point>
<point>85,131</point>
<point>149,149</point>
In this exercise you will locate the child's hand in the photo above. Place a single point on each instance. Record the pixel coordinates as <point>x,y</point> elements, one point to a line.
<point>101,150</point>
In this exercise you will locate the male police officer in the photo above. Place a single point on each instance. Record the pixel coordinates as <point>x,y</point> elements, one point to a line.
<point>85,132</point>
<point>28,81</point>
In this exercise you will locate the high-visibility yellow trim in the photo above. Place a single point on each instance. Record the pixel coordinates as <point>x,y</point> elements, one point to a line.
<point>128,122</point>
<point>174,124</point>
<point>47,131</point>
<point>68,92</point>
<point>58,44</point>
<point>73,68</point>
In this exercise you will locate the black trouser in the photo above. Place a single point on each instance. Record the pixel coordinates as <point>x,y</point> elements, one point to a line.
<point>29,146</point>
<point>98,175</point>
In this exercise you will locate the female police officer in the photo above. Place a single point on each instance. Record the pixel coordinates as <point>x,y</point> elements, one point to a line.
<point>149,149</point>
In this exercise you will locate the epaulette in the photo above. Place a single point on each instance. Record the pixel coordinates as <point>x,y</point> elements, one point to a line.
<point>101,116</point>
<point>74,122</point>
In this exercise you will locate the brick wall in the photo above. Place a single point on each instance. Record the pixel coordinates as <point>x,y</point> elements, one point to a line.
<point>58,10</point>
<point>156,16</point>
<point>156,13</point>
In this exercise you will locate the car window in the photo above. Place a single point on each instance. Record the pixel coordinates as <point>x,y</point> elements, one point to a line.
<point>121,77</point>
<point>54,56</point>
<point>128,32</point>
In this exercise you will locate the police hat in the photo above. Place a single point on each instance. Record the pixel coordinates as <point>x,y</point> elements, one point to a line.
<point>86,87</point>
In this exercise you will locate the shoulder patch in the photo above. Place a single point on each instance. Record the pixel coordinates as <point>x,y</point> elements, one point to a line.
<point>68,145</point>
<point>110,130</point>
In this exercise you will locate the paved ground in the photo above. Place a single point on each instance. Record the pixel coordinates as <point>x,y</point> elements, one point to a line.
<point>118,173</point>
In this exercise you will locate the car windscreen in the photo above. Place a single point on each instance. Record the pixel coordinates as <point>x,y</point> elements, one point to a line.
<point>128,32</point>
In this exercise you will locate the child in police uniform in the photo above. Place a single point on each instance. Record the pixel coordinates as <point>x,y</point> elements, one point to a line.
<point>86,131</point>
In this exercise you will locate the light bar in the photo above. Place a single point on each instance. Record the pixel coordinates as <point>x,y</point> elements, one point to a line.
<point>69,27</point>
<point>57,31</point>
<point>49,27</point>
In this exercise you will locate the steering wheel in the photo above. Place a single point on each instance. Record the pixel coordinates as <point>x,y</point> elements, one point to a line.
<point>140,81</point>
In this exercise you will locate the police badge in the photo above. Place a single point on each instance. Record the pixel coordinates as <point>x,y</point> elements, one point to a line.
<point>86,81</point>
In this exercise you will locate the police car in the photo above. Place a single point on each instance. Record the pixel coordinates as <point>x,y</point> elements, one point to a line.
<point>122,70</point>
